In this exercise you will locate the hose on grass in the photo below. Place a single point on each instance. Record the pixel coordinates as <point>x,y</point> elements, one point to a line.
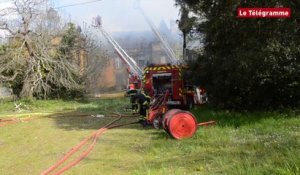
<point>93,136</point>
<point>6,122</point>
<point>208,123</point>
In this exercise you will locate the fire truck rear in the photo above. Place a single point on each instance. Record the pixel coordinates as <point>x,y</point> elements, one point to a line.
<point>158,79</point>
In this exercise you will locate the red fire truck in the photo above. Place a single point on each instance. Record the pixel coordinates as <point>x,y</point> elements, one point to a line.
<point>170,93</point>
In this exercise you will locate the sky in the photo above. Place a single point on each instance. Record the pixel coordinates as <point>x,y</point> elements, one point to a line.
<point>3,4</point>
<point>120,15</point>
<point>117,15</point>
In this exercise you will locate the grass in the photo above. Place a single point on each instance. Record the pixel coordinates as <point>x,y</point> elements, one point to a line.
<point>241,143</point>
<point>38,107</point>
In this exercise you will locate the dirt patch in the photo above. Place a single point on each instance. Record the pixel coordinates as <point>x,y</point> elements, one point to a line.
<point>108,95</point>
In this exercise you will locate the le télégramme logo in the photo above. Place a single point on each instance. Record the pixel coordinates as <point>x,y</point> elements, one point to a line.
<point>264,12</point>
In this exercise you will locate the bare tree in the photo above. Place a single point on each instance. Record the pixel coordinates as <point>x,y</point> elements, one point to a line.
<point>97,57</point>
<point>33,58</point>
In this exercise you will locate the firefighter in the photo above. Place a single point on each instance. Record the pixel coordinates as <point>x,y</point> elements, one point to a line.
<point>131,93</point>
<point>143,102</point>
<point>133,101</point>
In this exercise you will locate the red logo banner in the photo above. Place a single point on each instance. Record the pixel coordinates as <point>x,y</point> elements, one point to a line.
<point>264,12</point>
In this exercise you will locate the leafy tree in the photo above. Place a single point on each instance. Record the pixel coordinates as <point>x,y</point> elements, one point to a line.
<point>247,63</point>
<point>185,24</point>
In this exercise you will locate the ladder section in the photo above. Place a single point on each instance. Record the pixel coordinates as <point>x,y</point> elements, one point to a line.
<point>129,61</point>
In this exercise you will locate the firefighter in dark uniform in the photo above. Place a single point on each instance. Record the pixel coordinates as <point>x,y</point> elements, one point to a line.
<point>133,101</point>
<point>143,102</point>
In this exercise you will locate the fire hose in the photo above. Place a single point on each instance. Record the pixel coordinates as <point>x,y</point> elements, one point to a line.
<point>6,122</point>
<point>72,151</point>
<point>94,137</point>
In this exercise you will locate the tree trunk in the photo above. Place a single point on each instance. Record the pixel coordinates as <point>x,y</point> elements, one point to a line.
<point>27,91</point>
<point>184,46</point>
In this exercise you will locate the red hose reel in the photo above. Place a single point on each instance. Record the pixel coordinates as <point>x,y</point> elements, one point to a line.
<point>178,123</point>
<point>181,124</point>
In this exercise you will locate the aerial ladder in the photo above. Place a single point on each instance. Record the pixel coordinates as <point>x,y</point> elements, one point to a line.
<point>135,72</point>
<point>168,50</point>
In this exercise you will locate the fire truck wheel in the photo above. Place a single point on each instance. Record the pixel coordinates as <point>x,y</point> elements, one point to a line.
<point>182,125</point>
<point>157,123</point>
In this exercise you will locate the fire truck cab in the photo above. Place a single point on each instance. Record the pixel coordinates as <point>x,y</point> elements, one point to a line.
<point>158,79</point>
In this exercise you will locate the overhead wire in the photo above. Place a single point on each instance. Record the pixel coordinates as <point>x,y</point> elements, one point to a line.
<point>76,4</point>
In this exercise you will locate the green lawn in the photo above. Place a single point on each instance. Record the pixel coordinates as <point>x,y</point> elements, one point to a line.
<point>241,143</point>
<point>40,107</point>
